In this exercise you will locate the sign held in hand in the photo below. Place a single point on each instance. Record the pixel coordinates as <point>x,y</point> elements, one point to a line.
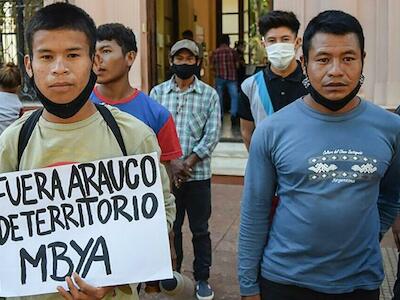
<point>104,220</point>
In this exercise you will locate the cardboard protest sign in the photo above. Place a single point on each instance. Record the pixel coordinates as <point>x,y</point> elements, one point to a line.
<point>104,220</point>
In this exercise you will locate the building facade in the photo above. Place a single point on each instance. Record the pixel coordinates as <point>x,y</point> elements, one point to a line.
<point>159,23</point>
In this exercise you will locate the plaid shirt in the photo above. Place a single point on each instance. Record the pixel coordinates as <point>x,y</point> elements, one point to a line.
<point>197,116</point>
<point>224,59</point>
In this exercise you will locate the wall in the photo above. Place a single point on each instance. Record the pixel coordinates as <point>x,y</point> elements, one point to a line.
<point>206,22</point>
<point>186,14</point>
<point>381,23</point>
<point>160,45</point>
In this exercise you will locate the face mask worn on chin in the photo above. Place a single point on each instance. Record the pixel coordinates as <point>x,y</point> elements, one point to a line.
<point>67,110</point>
<point>280,55</point>
<point>334,105</point>
<point>184,71</point>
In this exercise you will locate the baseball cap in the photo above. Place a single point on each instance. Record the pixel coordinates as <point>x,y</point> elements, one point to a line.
<point>185,44</point>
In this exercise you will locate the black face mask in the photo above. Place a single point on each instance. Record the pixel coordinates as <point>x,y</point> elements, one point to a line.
<point>184,71</point>
<point>330,104</point>
<point>69,109</point>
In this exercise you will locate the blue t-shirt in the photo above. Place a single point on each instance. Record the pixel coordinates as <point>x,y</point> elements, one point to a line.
<point>153,114</point>
<point>331,172</point>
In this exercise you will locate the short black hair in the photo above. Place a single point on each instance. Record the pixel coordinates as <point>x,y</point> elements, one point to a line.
<point>123,35</point>
<point>62,15</point>
<point>334,22</point>
<point>225,39</point>
<point>187,34</point>
<point>276,19</point>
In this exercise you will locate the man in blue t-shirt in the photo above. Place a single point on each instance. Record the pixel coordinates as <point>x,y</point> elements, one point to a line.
<point>396,236</point>
<point>334,161</point>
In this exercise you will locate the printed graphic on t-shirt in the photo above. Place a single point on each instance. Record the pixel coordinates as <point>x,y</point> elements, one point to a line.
<point>342,166</point>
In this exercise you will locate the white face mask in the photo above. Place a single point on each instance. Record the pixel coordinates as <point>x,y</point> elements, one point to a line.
<point>280,54</point>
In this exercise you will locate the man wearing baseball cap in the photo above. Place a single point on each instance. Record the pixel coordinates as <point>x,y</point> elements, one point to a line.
<point>195,108</point>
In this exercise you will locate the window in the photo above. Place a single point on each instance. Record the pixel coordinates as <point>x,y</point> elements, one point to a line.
<point>238,19</point>
<point>257,8</point>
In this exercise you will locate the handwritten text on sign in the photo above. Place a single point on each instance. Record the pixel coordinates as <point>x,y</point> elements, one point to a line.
<point>104,220</point>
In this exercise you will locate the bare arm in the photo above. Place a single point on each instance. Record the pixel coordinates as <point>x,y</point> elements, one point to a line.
<point>396,232</point>
<point>246,129</point>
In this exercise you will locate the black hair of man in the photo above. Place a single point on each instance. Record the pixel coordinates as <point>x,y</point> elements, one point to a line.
<point>62,15</point>
<point>225,40</point>
<point>188,35</point>
<point>335,22</point>
<point>276,19</point>
<point>121,34</point>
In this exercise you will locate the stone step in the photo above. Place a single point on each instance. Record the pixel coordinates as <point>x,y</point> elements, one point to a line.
<point>229,159</point>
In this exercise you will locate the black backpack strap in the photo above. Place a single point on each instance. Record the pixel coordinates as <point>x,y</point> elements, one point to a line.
<point>110,120</point>
<point>397,111</point>
<point>30,123</point>
<point>26,132</point>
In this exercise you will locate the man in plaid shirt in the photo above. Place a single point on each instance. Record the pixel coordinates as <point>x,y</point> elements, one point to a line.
<point>225,62</point>
<point>195,108</point>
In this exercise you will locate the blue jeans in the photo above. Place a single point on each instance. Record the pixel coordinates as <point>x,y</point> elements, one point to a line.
<point>220,84</point>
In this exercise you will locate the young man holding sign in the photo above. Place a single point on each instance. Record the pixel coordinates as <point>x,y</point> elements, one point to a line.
<point>61,40</point>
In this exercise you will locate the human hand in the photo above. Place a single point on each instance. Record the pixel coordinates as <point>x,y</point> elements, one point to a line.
<point>181,171</point>
<point>83,290</point>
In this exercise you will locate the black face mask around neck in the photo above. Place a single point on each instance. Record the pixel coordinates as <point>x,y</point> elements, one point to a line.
<point>184,71</point>
<point>69,109</point>
<point>333,105</point>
